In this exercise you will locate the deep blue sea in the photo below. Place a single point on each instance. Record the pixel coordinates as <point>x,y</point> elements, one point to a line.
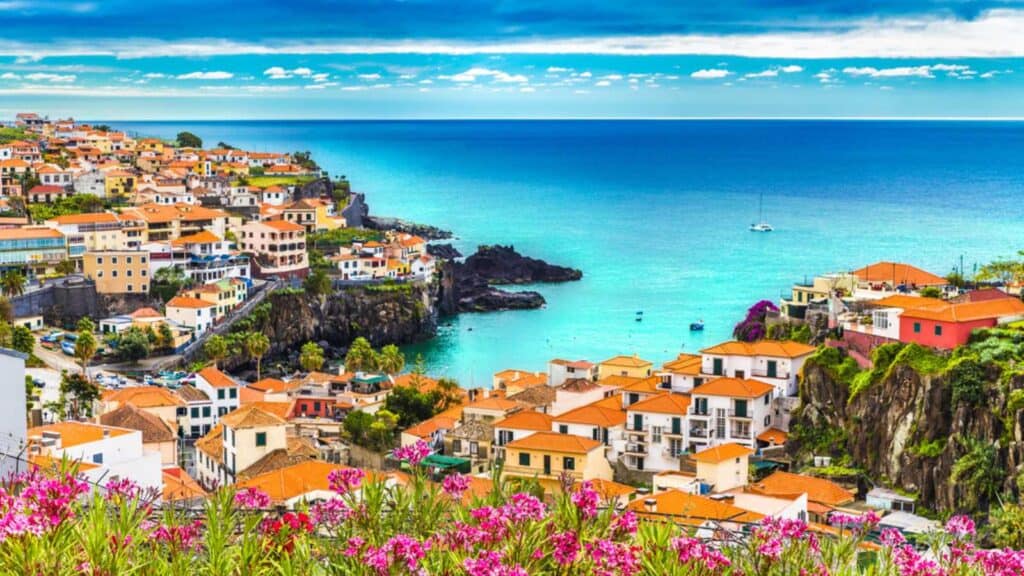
<point>656,213</point>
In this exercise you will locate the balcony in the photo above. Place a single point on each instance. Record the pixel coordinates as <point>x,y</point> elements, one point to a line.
<point>692,411</point>
<point>670,453</point>
<point>765,374</point>
<point>635,449</point>
<point>632,427</point>
<point>698,432</point>
<point>740,434</point>
<point>740,414</point>
<point>669,433</point>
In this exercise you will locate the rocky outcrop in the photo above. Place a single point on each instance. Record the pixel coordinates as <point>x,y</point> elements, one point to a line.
<point>318,188</point>
<point>357,211</point>
<point>503,265</point>
<point>384,314</point>
<point>906,431</point>
<point>443,251</point>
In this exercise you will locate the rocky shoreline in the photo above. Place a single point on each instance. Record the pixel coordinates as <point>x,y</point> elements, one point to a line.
<point>472,286</point>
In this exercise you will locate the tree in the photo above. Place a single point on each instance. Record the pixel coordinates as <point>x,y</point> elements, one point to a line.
<point>6,331</point>
<point>357,426</point>
<point>215,349</point>
<point>22,340</point>
<point>189,140</point>
<point>12,283</point>
<point>85,345</point>
<point>978,472</point>
<point>1001,271</point>
<point>450,393</point>
<point>360,356</point>
<point>30,393</point>
<point>311,357</point>
<point>79,393</point>
<point>390,360</point>
<point>133,345</point>
<point>411,405</point>
<point>166,335</point>
<point>318,283</point>
<point>257,345</point>
<point>382,431</point>
<point>6,310</point>
<point>931,292</point>
<point>65,267</point>
<point>225,145</point>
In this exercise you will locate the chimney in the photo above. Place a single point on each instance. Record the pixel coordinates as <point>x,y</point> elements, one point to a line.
<point>650,503</point>
<point>106,432</point>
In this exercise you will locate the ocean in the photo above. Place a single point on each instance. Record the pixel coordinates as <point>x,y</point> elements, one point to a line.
<point>656,214</point>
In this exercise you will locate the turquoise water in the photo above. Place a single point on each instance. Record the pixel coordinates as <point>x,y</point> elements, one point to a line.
<point>656,213</point>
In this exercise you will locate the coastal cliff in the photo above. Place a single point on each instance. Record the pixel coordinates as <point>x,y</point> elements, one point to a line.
<point>911,426</point>
<point>383,314</point>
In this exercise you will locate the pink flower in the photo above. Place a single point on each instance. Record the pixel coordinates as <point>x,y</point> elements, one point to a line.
<point>353,545</point>
<point>490,563</point>
<point>586,500</point>
<point>330,513</point>
<point>523,507</point>
<point>566,547</point>
<point>891,538</point>
<point>252,499</point>
<point>455,485</point>
<point>413,454</point>
<point>960,526</point>
<point>344,480</point>
<point>625,523</point>
<point>123,488</point>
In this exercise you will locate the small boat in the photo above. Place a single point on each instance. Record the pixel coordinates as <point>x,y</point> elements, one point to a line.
<point>639,316</point>
<point>761,225</point>
<point>697,326</point>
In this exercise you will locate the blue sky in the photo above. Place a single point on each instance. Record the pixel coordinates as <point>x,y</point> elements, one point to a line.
<point>115,59</point>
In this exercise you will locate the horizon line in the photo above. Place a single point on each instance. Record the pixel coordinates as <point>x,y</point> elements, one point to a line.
<point>593,119</point>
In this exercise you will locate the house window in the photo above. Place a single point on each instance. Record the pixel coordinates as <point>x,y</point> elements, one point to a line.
<point>194,431</point>
<point>206,411</point>
<point>220,394</point>
<point>261,439</point>
<point>524,458</point>
<point>917,327</point>
<point>233,393</point>
<point>656,434</point>
<point>182,411</point>
<point>938,330</point>
<point>563,429</point>
<point>97,458</point>
<point>568,463</point>
<point>195,412</point>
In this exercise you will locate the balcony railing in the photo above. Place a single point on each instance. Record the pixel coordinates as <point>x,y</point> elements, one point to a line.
<point>632,427</point>
<point>740,434</point>
<point>635,449</point>
<point>698,432</point>
<point>745,414</point>
<point>765,374</point>
<point>693,411</point>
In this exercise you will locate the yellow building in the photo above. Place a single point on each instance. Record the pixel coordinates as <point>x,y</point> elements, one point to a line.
<point>723,467</point>
<point>224,295</point>
<point>547,455</point>
<point>118,183</point>
<point>118,271</point>
<point>150,145</point>
<point>631,366</point>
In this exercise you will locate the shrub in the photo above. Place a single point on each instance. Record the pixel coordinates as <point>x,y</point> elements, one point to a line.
<point>968,381</point>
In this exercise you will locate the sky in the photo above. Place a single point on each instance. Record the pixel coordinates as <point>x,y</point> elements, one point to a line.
<point>196,59</point>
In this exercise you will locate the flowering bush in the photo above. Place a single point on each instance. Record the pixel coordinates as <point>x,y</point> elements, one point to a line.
<point>54,526</point>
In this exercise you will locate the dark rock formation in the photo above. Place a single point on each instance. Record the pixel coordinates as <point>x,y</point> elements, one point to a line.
<point>503,265</point>
<point>425,231</point>
<point>315,189</point>
<point>357,212</point>
<point>885,429</point>
<point>388,314</point>
<point>443,251</point>
<point>469,286</point>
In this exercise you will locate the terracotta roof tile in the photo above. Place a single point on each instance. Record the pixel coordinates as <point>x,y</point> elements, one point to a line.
<point>666,403</point>
<point>555,442</point>
<point>721,453</point>
<point>526,420</point>
<point>733,388</point>
<point>773,348</point>
<point>153,428</point>
<point>216,378</point>
<point>789,485</point>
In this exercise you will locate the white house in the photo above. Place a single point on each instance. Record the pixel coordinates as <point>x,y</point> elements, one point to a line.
<point>220,388</point>
<point>655,432</point>
<point>775,362</point>
<point>198,416</point>
<point>518,425</point>
<point>682,374</point>
<point>91,182</point>
<point>560,370</point>
<point>191,312</point>
<point>604,421</point>
<point>727,410</point>
<point>13,434</point>
<point>723,467</point>
<point>105,452</point>
<point>275,196</point>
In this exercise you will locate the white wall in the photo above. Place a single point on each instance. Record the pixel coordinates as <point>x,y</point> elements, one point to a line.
<point>13,432</point>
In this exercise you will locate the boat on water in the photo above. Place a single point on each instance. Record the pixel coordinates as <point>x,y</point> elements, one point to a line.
<point>697,326</point>
<point>639,316</point>
<point>761,225</point>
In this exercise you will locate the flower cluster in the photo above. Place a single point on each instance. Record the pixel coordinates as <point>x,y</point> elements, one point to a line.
<point>180,537</point>
<point>586,499</point>
<point>37,503</point>
<point>455,485</point>
<point>252,499</point>
<point>412,454</point>
<point>345,480</point>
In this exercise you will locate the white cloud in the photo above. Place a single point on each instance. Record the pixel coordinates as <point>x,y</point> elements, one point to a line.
<point>302,72</point>
<point>710,73</point>
<point>369,76</point>
<point>557,70</point>
<point>154,75</point>
<point>762,74</point>
<point>9,76</point>
<point>406,76</point>
<point>586,74</point>
<point>791,69</point>
<point>923,71</point>
<point>602,83</point>
<point>527,89</point>
<point>612,77</point>
<point>47,77</point>
<point>321,77</point>
<point>216,75</point>
<point>282,73</point>
<point>473,74</point>
<point>426,81</point>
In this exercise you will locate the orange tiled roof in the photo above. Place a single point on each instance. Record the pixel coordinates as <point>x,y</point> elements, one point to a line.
<point>663,404</point>
<point>145,312</point>
<point>293,481</point>
<point>607,489</point>
<point>688,364</point>
<point>274,385</point>
<point>626,362</point>
<point>178,485</point>
<point>76,433</point>
<point>280,409</point>
<point>969,311</point>
<point>526,420</point>
<point>789,485</point>
<point>493,403</point>
<point>186,302</point>
<point>284,226</point>
<point>578,364</point>
<point>721,453</point>
<point>87,218</point>
<point>204,237</point>
<point>216,378</point>
<point>733,388</point>
<point>427,427</point>
<point>774,348</point>
<point>649,385</point>
<point>27,233</point>
<point>251,416</point>
<point>143,397</point>
<point>697,508</point>
<point>594,416</point>
<point>212,444</point>
<point>773,436</point>
<point>153,428</point>
<point>619,381</point>
<point>554,442</point>
<point>898,273</point>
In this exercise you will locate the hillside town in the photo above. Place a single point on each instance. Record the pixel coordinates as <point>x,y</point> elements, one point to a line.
<point>698,438</point>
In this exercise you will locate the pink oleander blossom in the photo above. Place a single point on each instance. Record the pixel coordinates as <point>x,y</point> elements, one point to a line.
<point>412,454</point>
<point>123,488</point>
<point>344,480</point>
<point>960,526</point>
<point>252,499</point>
<point>330,513</point>
<point>491,563</point>
<point>625,523</point>
<point>566,545</point>
<point>586,500</point>
<point>455,485</point>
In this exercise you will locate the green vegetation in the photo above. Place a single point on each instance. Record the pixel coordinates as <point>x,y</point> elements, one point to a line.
<point>978,472</point>
<point>411,405</point>
<point>968,381</point>
<point>76,204</point>
<point>77,395</point>
<point>344,237</point>
<point>133,344</point>
<point>311,357</point>
<point>819,440</point>
<point>840,367</point>
<point>373,431</point>
<point>795,332</point>
<point>923,360</point>
<point>318,284</point>
<point>260,181</point>
<point>305,159</point>
<point>361,357</point>
<point>188,140</point>
<point>930,292</point>
<point>1007,526</point>
<point>834,471</point>
<point>931,449</point>
<point>257,345</point>
<point>882,359</point>
<point>215,348</point>
<point>85,344</point>
<point>10,133</point>
<point>12,283</point>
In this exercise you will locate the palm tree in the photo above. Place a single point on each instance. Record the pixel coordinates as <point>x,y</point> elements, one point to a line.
<point>215,348</point>
<point>360,356</point>
<point>12,283</point>
<point>391,360</point>
<point>257,345</point>
<point>451,393</point>
<point>85,345</point>
<point>978,470</point>
<point>311,357</point>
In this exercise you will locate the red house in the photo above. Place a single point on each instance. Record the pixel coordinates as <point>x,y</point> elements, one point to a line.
<point>949,324</point>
